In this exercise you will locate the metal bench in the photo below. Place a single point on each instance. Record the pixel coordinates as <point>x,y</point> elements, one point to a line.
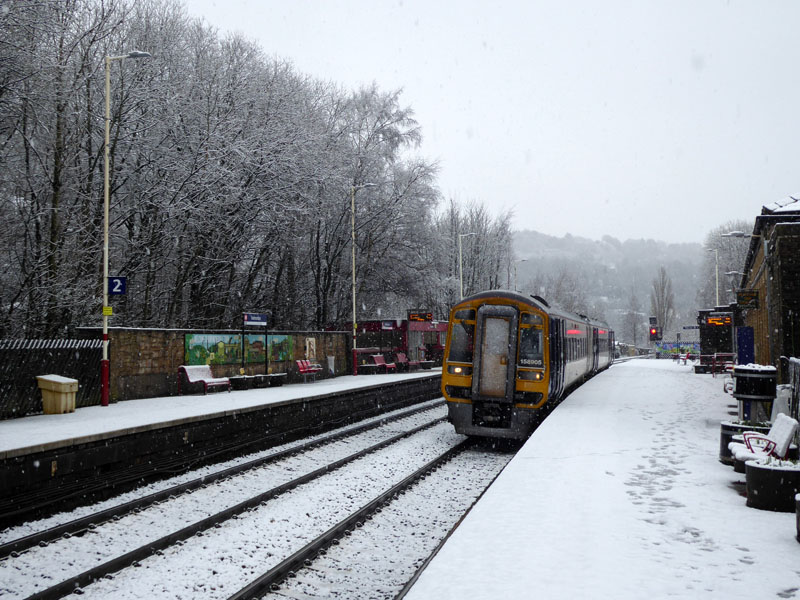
<point>308,369</point>
<point>201,374</point>
<point>378,359</point>
<point>776,443</point>
<point>404,364</point>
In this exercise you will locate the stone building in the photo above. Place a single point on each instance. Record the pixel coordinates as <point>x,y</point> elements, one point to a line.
<point>769,297</point>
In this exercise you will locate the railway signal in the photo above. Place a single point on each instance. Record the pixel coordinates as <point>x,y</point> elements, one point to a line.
<point>655,333</point>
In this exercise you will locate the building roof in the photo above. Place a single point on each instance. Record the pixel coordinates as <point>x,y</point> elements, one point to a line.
<point>782,211</point>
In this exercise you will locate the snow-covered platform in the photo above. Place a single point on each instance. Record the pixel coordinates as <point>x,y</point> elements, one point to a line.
<point>620,494</point>
<point>45,432</point>
<point>60,459</point>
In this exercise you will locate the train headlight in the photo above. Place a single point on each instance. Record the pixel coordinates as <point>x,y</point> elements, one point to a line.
<point>459,370</point>
<point>530,375</point>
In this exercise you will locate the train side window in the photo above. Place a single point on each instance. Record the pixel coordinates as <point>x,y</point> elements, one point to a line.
<point>530,347</point>
<point>462,342</point>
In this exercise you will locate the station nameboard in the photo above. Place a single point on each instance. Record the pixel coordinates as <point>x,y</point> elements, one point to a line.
<point>260,319</point>
<point>420,316</point>
<point>747,298</point>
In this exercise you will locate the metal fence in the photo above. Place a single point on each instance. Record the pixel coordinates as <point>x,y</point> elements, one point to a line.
<point>22,360</point>
<point>793,367</point>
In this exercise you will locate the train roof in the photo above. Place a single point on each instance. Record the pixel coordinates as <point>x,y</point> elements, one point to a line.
<point>536,302</point>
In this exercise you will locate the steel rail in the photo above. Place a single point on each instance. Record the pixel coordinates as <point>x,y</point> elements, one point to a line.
<point>69,585</point>
<point>267,582</point>
<point>14,508</point>
<point>82,524</point>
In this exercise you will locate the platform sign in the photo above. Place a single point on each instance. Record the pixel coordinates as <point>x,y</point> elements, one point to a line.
<point>747,298</point>
<point>420,317</point>
<point>718,319</point>
<point>117,286</point>
<point>256,319</point>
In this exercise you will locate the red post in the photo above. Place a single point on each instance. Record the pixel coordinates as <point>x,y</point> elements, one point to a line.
<point>104,382</point>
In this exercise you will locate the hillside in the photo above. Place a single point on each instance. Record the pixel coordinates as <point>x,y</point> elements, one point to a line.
<point>602,276</point>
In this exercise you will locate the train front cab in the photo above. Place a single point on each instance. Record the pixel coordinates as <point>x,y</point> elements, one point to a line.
<point>500,389</point>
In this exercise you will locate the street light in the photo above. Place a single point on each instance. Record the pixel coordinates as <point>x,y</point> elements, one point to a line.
<point>765,262</point>
<point>460,266</point>
<point>716,269</point>
<point>104,370</point>
<point>516,262</point>
<point>353,245</point>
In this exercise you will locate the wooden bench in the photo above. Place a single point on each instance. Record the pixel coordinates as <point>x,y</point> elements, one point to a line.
<point>377,359</point>
<point>201,374</point>
<point>308,369</point>
<point>403,364</point>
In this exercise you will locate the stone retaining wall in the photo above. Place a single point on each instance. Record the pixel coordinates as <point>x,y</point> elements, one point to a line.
<point>144,362</point>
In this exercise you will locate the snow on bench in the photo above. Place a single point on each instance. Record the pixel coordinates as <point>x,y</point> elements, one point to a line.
<point>378,359</point>
<point>201,374</point>
<point>307,368</point>
<point>775,443</point>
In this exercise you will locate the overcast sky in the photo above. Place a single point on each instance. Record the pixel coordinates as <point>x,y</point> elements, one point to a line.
<point>637,119</point>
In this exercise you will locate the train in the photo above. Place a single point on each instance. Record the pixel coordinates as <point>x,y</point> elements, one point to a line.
<point>509,359</point>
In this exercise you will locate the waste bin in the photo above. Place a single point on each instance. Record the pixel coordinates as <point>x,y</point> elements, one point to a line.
<point>58,393</point>
<point>754,388</point>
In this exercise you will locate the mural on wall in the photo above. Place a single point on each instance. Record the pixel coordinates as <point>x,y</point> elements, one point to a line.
<point>212,348</point>
<point>226,349</point>
<point>678,347</point>
<point>280,348</point>
<point>254,347</point>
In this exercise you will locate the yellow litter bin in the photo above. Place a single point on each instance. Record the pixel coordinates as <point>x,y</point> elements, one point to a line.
<point>58,393</point>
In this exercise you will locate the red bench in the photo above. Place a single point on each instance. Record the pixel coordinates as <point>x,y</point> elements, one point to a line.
<point>378,359</point>
<point>306,368</point>
<point>404,364</point>
<point>201,374</point>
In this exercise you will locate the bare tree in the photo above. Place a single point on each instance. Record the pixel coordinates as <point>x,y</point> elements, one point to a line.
<point>662,300</point>
<point>633,316</point>
<point>731,253</point>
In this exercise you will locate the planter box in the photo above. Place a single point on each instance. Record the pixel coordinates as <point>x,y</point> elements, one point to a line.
<point>241,382</point>
<point>772,487</point>
<point>797,514</point>
<point>58,394</point>
<point>755,382</point>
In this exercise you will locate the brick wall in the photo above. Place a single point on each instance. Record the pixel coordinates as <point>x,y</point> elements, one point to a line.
<point>144,362</point>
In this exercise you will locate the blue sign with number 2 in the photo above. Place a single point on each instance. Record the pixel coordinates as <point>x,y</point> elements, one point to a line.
<point>117,286</point>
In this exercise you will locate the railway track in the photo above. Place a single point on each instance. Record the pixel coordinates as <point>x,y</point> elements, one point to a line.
<point>380,550</point>
<point>78,547</point>
<point>36,503</point>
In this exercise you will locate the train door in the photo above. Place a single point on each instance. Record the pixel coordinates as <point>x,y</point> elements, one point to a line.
<point>557,362</point>
<point>595,350</point>
<point>496,337</point>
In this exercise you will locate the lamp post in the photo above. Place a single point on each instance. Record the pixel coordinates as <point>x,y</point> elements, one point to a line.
<point>516,262</point>
<point>460,265</point>
<point>734,274</point>
<point>353,247</point>
<point>104,369</point>
<point>765,267</point>
<point>716,270</point>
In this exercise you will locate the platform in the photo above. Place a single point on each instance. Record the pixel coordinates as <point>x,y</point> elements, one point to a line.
<point>65,454</point>
<point>620,494</point>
